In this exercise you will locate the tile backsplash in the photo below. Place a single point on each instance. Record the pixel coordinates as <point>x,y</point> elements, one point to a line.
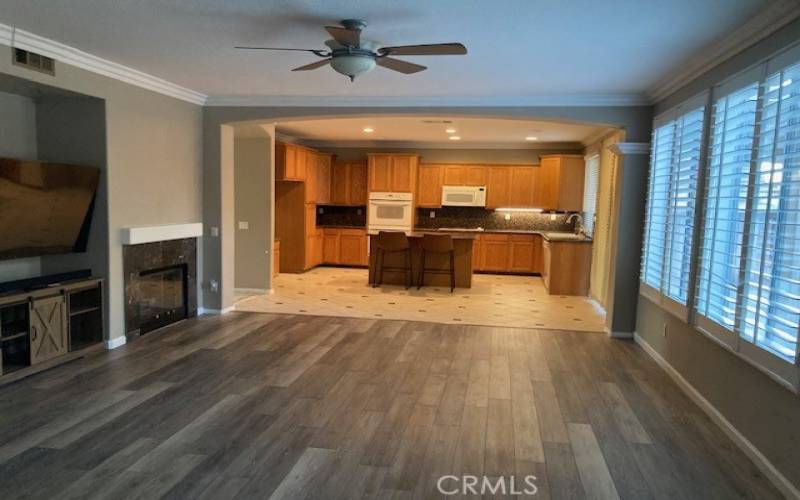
<point>473,217</point>
<point>333,215</point>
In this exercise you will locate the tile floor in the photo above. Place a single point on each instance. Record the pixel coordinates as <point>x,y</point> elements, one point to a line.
<point>493,300</point>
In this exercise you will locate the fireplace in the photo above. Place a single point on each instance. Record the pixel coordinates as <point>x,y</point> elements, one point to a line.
<point>160,284</point>
<point>162,297</point>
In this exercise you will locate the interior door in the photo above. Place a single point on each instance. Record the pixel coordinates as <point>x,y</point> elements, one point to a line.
<point>48,328</point>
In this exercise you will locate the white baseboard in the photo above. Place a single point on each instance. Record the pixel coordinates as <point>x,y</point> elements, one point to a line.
<point>115,342</point>
<point>251,290</point>
<point>766,467</point>
<point>203,310</point>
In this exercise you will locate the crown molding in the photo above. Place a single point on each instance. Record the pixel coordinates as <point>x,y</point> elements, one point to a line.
<point>630,148</point>
<point>589,100</point>
<point>17,38</point>
<point>767,21</point>
<point>324,144</point>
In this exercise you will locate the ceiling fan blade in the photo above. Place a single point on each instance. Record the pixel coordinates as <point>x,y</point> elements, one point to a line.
<point>346,37</point>
<point>398,65</point>
<point>432,49</point>
<point>277,48</point>
<point>314,65</point>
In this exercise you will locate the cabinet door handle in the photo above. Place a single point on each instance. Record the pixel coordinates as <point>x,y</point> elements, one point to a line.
<point>33,333</point>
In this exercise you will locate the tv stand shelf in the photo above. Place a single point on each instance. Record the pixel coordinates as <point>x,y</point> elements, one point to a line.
<point>44,327</point>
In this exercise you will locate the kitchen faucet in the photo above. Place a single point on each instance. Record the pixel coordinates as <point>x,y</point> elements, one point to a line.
<point>579,224</point>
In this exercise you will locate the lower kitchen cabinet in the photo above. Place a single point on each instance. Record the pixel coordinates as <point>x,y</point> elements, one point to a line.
<point>508,253</point>
<point>566,267</point>
<point>344,246</point>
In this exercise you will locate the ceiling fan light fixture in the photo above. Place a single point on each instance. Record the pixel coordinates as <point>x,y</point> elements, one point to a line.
<point>353,65</point>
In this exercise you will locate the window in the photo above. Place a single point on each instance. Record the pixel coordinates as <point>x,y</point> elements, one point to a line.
<point>748,277</point>
<point>591,184</point>
<point>669,223</point>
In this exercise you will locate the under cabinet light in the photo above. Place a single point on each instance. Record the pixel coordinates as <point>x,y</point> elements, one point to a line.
<point>530,210</point>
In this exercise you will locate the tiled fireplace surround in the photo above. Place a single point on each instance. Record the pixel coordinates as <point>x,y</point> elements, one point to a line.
<point>143,257</point>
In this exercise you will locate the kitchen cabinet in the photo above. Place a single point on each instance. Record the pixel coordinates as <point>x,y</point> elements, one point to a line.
<point>276,258</point>
<point>291,161</point>
<point>560,183</point>
<point>349,184</point>
<point>454,175</point>
<point>324,166</point>
<point>499,186</point>
<point>344,246</point>
<point>566,267</point>
<point>476,175</point>
<point>508,253</point>
<point>392,173</point>
<point>311,178</point>
<point>429,185</point>
<point>495,252</point>
<point>521,190</point>
<point>48,328</point>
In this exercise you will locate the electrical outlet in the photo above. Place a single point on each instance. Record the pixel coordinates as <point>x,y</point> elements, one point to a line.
<point>243,224</point>
<point>214,285</point>
<point>321,210</point>
<point>664,330</point>
<point>359,211</point>
<point>553,216</point>
<point>214,231</point>
<point>507,216</point>
<point>432,214</point>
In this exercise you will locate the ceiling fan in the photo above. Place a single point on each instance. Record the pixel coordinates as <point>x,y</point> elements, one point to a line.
<point>351,55</point>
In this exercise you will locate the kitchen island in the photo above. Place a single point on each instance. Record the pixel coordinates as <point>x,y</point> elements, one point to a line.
<point>462,244</point>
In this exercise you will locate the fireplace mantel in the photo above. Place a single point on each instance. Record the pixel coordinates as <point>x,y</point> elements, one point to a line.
<point>151,234</point>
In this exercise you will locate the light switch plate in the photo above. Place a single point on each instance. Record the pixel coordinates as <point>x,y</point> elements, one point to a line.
<point>507,216</point>
<point>553,216</point>
<point>243,224</point>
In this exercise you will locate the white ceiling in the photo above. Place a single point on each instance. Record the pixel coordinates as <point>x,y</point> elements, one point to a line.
<point>431,130</point>
<point>516,47</point>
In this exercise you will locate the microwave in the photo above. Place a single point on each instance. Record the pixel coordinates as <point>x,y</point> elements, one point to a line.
<point>464,196</point>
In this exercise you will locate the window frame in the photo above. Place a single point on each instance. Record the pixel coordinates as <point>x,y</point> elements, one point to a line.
<point>672,306</point>
<point>784,372</point>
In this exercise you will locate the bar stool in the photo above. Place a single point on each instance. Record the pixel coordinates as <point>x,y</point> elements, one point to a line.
<point>392,242</point>
<point>440,244</point>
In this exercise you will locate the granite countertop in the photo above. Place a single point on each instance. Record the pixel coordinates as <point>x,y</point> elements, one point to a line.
<point>419,233</point>
<point>548,235</point>
<point>339,226</point>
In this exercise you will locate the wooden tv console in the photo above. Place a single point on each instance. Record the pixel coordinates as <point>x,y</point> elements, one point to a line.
<point>45,327</point>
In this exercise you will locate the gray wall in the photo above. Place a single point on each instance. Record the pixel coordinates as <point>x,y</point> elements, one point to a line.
<point>18,140</point>
<point>251,167</point>
<point>73,130</point>
<point>764,412</point>
<point>153,161</point>
<point>635,120</point>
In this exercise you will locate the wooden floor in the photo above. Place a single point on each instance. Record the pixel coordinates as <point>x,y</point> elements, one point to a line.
<point>257,405</point>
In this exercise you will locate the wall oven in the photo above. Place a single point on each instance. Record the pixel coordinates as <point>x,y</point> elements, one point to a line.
<point>390,212</point>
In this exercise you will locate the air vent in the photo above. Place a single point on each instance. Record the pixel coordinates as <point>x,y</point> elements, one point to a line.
<point>34,61</point>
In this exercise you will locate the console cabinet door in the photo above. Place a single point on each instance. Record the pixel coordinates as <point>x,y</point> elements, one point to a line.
<point>521,253</point>
<point>48,328</point>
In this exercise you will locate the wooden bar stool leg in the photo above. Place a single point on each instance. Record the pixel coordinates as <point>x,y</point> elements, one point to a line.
<point>421,271</point>
<point>452,271</point>
<point>408,268</point>
<point>378,268</point>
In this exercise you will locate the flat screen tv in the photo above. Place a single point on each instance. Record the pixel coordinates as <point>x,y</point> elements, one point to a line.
<point>45,208</point>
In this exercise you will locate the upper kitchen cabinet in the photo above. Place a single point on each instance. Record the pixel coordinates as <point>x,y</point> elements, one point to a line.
<point>349,183</point>
<point>312,174</point>
<point>521,190</point>
<point>324,166</point>
<point>392,173</point>
<point>429,185</point>
<point>560,183</point>
<point>498,189</point>
<point>465,175</point>
<point>291,161</point>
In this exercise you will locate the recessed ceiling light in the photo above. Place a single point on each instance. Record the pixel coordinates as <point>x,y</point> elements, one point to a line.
<point>450,130</point>
<point>531,138</point>
<point>369,130</point>
<point>455,138</point>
